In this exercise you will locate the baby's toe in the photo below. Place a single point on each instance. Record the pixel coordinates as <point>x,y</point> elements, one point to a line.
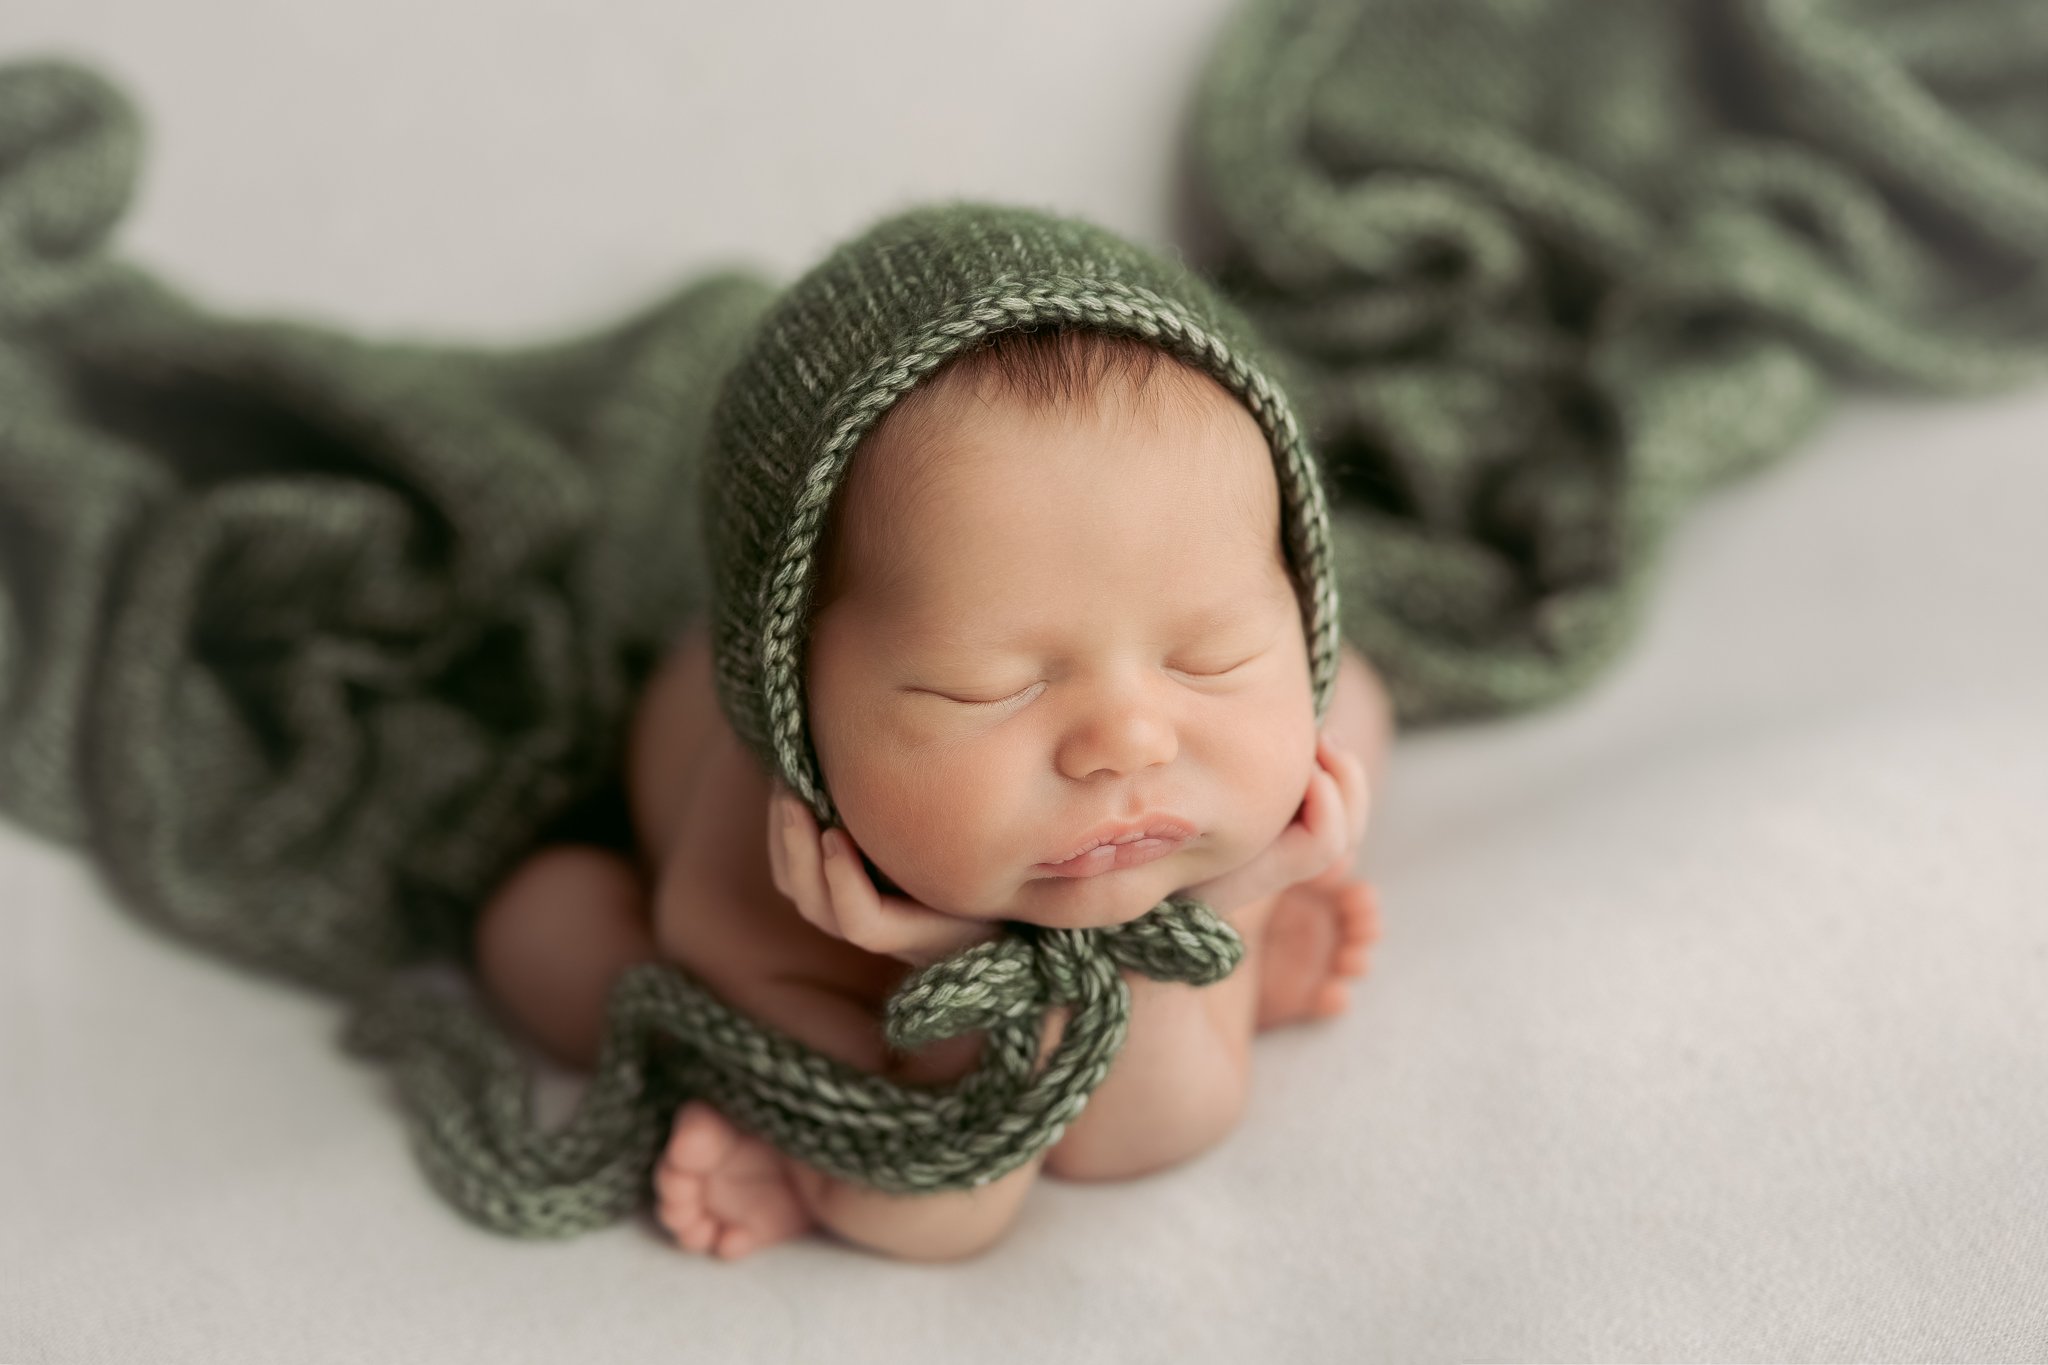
<point>767,1227</point>
<point>700,1140</point>
<point>1331,998</point>
<point>1358,914</point>
<point>736,1242</point>
<point>673,1184</point>
<point>698,1236</point>
<point>680,1209</point>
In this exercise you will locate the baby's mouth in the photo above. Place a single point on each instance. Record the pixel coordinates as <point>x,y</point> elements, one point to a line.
<point>1134,850</point>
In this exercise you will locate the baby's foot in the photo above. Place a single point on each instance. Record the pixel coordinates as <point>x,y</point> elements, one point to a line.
<point>720,1190</point>
<point>1320,933</point>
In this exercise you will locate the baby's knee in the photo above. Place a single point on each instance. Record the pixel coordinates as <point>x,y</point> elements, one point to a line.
<point>1167,1131</point>
<point>554,937</point>
<point>948,1226</point>
<point>563,899</point>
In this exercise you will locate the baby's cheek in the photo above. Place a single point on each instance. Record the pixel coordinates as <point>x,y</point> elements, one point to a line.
<point>920,821</point>
<point>1272,762</point>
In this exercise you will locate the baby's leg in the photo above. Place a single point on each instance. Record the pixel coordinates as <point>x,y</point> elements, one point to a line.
<point>947,1226</point>
<point>1319,938</point>
<point>551,942</point>
<point>554,937</point>
<point>1179,1083</point>
<point>725,1191</point>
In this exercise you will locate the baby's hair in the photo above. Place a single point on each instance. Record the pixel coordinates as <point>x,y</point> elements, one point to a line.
<point>1051,365</point>
<point>1045,367</point>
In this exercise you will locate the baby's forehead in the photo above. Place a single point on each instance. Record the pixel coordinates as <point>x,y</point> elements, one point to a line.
<point>918,446</point>
<point>946,460</point>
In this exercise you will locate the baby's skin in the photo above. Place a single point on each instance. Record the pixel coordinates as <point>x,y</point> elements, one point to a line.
<point>1086,622</point>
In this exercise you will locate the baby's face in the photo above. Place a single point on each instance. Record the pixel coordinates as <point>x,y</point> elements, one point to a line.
<point>1082,617</point>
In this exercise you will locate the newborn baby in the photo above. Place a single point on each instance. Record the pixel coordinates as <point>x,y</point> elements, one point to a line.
<point>1056,672</point>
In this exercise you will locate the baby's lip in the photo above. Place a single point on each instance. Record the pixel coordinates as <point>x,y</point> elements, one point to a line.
<point>1111,858</point>
<point>1162,825</point>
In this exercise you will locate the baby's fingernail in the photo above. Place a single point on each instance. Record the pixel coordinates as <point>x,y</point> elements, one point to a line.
<point>833,839</point>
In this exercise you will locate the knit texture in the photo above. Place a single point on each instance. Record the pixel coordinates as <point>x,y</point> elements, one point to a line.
<point>858,331</point>
<point>668,1039</point>
<point>305,638</point>
<point>1551,270</point>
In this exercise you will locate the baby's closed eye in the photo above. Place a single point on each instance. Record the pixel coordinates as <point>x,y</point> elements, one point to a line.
<point>971,701</point>
<point>996,696</point>
<point>1213,669</point>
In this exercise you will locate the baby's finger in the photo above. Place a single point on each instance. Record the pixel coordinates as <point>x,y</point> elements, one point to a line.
<point>1323,803</point>
<point>1357,792</point>
<point>807,886</point>
<point>1348,770</point>
<point>855,902</point>
<point>778,851</point>
<point>1322,816</point>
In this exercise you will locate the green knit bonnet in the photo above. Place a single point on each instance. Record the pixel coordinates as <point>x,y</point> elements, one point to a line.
<point>857,332</point>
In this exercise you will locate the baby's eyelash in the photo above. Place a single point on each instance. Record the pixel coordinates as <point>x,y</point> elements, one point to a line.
<point>999,701</point>
<point>1192,673</point>
<point>1005,701</point>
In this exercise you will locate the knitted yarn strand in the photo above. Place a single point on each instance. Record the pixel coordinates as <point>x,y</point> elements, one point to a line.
<point>668,1039</point>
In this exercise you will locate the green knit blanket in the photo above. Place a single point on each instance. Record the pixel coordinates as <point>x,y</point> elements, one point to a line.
<point>306,638</point>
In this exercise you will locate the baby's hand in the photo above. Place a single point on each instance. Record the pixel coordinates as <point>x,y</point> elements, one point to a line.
<point>1322,840</point>
<point>832,889</point>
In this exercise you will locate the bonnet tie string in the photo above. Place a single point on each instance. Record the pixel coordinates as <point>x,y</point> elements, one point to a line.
<point>668,1039</point>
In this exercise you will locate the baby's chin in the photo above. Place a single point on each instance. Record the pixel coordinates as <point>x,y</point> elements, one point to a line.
<point>1099,901</point>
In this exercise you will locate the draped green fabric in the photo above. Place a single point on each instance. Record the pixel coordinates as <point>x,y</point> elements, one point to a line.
<point>1555,269</point>
<point>307,637</point>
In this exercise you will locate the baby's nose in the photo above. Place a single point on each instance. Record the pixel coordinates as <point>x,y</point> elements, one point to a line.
<point>1118,739</point>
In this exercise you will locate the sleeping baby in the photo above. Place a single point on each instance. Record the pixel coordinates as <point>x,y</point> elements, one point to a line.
<point>1055,667</point>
